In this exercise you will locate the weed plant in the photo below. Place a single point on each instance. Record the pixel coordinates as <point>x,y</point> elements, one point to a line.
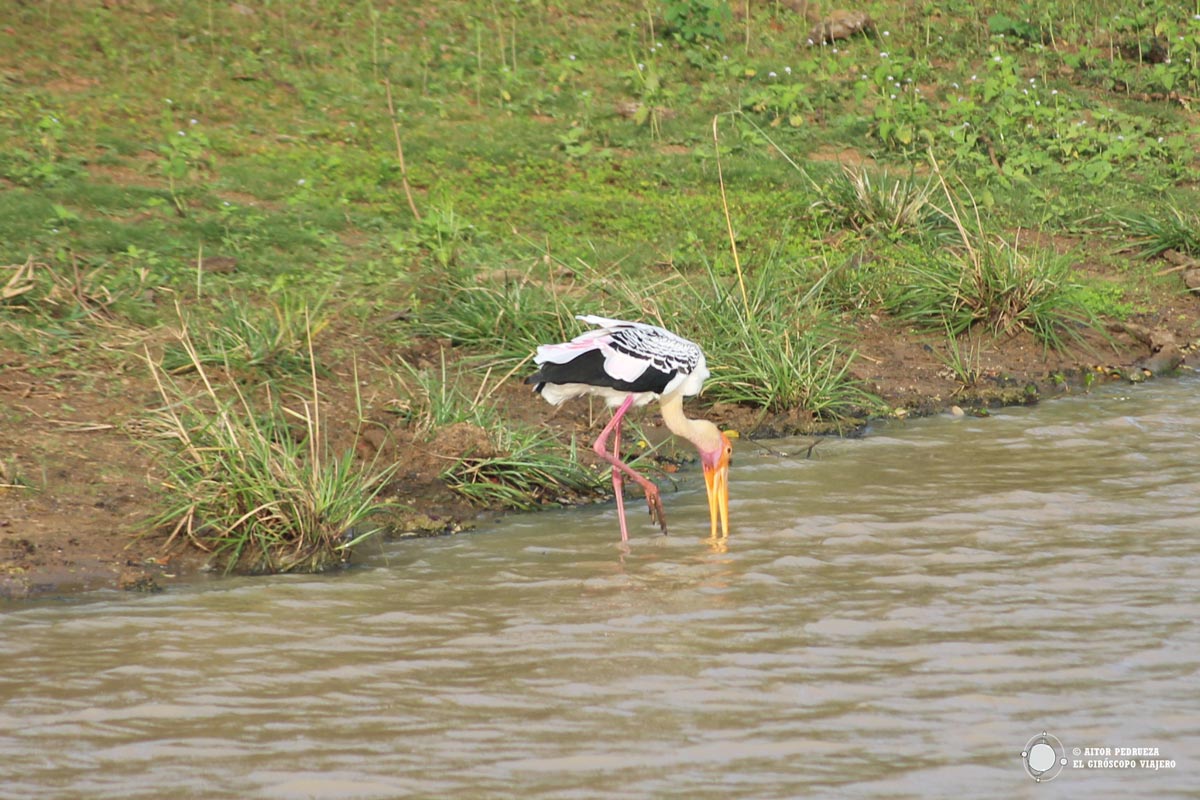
<point>505,317</point>
<point>1155,234</point>
<point>891,207</point>
<point>529,471</point>
<point>260,489</point>
<point>777,349</point>
<point>272,339</point>
<point>991,284</point>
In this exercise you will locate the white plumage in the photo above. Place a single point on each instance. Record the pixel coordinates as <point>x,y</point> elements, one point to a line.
<point>644,360</point>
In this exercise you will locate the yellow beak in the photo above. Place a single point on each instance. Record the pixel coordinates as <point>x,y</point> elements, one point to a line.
<point>717,481</point>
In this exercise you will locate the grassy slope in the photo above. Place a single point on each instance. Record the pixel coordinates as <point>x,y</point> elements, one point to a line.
<point>240,157</point>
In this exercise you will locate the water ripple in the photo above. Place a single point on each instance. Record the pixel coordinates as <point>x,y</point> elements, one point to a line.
<point>894,617</point>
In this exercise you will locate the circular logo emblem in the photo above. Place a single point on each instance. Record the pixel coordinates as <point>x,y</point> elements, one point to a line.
<point>1043,757</point>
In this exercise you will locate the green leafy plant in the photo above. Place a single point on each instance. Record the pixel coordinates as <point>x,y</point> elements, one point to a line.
<point>261,489</point>
<point>184,149</point>
<point>694,21</point>
<point>527,470</point>
<point>891,207</point>
<point>245,336</point>
<point>1154,234</point>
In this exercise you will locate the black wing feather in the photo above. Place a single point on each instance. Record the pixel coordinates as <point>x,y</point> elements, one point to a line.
<point>588,368</point>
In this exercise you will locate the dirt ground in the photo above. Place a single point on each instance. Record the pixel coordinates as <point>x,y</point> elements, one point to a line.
<point>76,482</point>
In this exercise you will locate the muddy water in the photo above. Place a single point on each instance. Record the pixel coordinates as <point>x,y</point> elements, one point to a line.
<point>896,617</point>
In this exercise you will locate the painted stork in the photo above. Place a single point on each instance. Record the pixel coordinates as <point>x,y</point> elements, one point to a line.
<point>629,364</point>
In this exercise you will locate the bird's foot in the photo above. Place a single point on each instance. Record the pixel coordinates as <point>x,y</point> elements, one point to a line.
<point>654,501</point>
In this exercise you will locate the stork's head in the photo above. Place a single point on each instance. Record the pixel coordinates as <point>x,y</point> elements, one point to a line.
<point>715,453</point>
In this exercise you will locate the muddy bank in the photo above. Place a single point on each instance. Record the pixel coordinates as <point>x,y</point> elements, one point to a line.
<point>78,482</point>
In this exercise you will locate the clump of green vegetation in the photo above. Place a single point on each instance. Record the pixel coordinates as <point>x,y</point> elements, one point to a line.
<point>774,347</point>
<point>885,206</point>
<point>258,485</point>
<point>1154,234</point>
<point>527,470</point>
<point>245,336</point>
<point>992,284</point>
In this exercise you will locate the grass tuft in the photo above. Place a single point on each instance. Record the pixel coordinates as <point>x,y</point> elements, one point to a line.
<point>506,315</point>
<point>1154,234</point>
<point>262,490</point>
<point>245,336</point>
<point>778,349</point>
<point>526,471</point>
<point>884,206</point>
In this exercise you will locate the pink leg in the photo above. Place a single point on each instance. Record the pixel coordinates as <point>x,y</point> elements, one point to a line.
<point>619,485</point>
<point>652,497</point>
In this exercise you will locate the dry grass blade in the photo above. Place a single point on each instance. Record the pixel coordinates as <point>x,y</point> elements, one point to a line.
<point>21,280</point>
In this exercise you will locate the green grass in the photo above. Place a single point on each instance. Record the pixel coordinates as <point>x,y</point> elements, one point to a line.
<point>560,159</point>
<point>257,484</point>
<point>272,340</point>
<point>529,470</point>
<point>1154,234</point>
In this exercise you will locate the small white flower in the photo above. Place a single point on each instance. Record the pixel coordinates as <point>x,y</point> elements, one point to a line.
<point>193,121</point>
<point>1032,80</point>
<point>1053,92</point>
<point>641,66</point>
<point>954,85</point>
<point>170,102</point>
<point>788,70</point>
<point>301,182</point>
<point>1037,102</point>
<point>772,74</point>
<point>890,79</point>
<point>1160,140</point>
<point>883,55</point>
<point>974,77</point>
<point>181,133</point>
<point>835,50</point>
<point>572,56</point>
<point>893,97</point>
<point>811,42</point>
<point>887,33</point>
<point>724,58</point>
<point>997,59</point>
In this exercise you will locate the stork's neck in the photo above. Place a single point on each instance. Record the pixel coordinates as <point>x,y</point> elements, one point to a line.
<point>694,430</point>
